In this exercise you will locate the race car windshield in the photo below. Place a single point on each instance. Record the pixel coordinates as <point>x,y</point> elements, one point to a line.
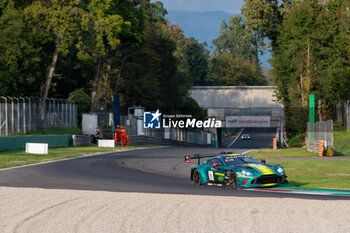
<point>250,160</point>
<point>237,160</point>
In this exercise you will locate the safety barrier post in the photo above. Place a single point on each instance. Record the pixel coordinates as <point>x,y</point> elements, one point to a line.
<point>275,143</point>
<point>320,148</point>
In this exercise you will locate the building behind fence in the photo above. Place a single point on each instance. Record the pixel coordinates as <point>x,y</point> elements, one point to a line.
<point>322,130</point>
<point>22,114</point>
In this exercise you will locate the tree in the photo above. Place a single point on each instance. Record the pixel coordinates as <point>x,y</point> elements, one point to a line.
<point>116,23</point>
<point>64,20</point>
<point>24,52</point>
<point>236,39</point>
<point>265,17</point>
<point>235,60</point>
<point>311,58</point>
<point>82,100</point>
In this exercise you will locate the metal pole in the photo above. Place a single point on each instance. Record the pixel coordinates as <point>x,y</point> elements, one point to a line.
<point>6,116</point>
<point>12,115</point>
<point>70,113</point>
<point>24,114</point>
<point>54,112</point>
<point>50,113</point>
<point>38,123</point>
<point>66,113</point>
<point>18,120</point>
<point>29,114</point>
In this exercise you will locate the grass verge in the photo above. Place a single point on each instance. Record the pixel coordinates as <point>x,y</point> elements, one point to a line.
<point>334,174</point>
<point>281,153</point>
<point>341,142</point>
<point>19,157</point>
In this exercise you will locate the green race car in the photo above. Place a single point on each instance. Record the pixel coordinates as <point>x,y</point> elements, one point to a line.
<point>235,170</point>
<point>245,137</point>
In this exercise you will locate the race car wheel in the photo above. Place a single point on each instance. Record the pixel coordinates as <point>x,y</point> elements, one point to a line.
<point>196,177</point>
<point>232,180</point>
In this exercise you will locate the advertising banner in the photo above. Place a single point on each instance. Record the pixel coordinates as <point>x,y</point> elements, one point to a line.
<point>247,121</point>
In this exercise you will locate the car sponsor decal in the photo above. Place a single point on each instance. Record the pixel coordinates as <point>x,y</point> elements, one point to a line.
<point>264,170</point>
<point>240,176</point>
<point>211,175</point>
<point>221,178</point>
<point>219,174</point>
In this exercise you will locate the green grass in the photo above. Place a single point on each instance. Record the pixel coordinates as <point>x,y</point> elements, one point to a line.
<point>341,142</point>
<point>281,153</point>
<point>19,157</point>
<point>333,174</point>
<point>296,141</point>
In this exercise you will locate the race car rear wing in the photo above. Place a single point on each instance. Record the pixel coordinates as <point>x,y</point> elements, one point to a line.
<point>199,157</point>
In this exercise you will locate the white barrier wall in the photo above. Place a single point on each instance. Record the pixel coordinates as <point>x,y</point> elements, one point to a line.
<point>37,148</point>
<point>106,143</point>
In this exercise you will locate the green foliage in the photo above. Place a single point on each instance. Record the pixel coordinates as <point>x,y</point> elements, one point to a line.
<point>23,54</point>
<point>236,39</point>
<point>310,29</point>
<point>82,100</point>
<point>235,61</point>
<point>229,71</point>
<point>192,58</point>
<point>264,16</point>
<point>297,140</point>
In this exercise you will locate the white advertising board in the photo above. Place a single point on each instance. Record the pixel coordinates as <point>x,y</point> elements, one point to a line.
<point>247,121</point>
<point>89,124</point>
<point>37,148</point>
<point>106,143</point>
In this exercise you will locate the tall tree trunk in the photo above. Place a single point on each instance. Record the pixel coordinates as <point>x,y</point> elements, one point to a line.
<point>106,76</point>
<point>119,74</point>
<point>49,78</point>
<point>319,110</point>
<point>95,83</point>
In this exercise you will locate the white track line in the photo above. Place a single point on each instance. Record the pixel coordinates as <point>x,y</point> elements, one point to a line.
<point>235,138</point>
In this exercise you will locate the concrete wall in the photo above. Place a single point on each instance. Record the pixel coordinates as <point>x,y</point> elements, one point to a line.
<point>19,142</point>
<point>234,96</point>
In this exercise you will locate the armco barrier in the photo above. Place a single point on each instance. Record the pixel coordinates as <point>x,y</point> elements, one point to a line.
<point>19,142</point>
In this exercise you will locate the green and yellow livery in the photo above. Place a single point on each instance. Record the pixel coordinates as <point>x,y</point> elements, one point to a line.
<point>236,170</point>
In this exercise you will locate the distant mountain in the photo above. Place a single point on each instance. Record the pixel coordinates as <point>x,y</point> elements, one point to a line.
<point>204,26</point>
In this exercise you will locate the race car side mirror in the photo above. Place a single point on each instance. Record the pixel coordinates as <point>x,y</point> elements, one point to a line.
<point>263,160</point>
<point>187,159</point>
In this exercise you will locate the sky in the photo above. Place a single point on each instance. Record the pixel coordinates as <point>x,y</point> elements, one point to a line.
<point>230,6</point>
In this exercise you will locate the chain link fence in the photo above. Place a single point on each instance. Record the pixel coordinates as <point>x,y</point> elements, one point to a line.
<point>23,114</point>
<point>318,131</point>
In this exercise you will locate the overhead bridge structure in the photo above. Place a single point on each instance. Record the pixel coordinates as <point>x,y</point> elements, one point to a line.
<point>241,107</point>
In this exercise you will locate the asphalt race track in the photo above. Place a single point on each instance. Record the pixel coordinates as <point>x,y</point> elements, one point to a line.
<point>260,138</point>
<point>159,170</point>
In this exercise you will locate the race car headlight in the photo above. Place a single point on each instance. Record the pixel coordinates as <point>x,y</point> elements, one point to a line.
<point>247,173</point>
<point>280,169</point>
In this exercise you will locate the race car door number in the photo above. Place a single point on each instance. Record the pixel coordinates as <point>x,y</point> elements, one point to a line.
<point>211,175</point>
